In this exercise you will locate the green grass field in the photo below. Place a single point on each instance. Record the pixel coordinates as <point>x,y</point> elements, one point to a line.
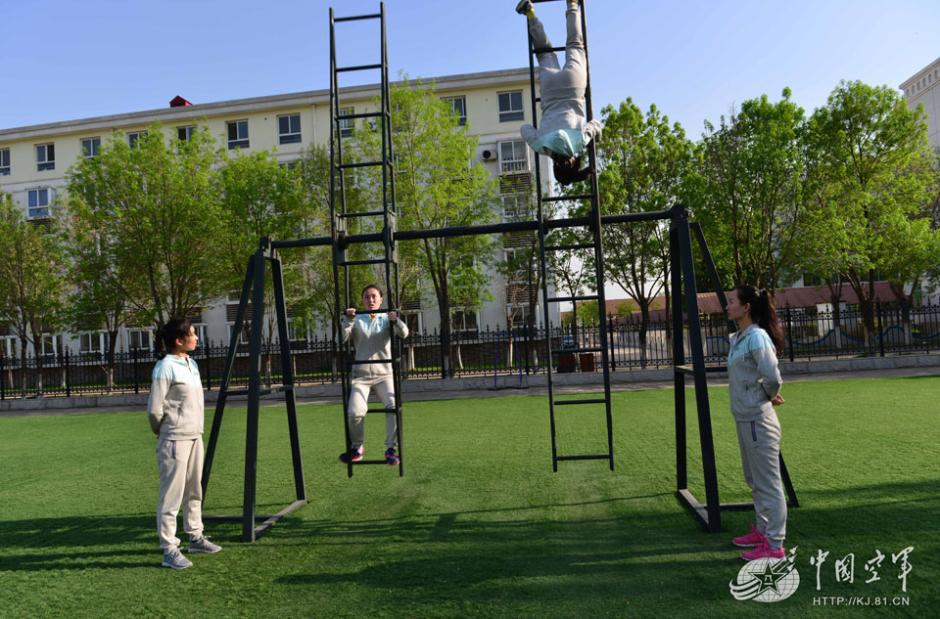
<point>480,526</point>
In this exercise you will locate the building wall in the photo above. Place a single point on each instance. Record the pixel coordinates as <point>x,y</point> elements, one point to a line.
<point>923,89</point>
<point>481,92</point>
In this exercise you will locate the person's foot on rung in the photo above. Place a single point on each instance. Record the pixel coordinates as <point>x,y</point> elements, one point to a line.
<point>525,7</point>
<point>391,457</point>
<point>353,455</point>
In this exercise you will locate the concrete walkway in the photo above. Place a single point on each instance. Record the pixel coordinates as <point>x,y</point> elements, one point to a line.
<point>329,394</point>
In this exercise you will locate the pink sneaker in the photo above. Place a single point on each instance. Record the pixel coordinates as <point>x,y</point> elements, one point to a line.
<point>764,551</point>
<point>751,538</point>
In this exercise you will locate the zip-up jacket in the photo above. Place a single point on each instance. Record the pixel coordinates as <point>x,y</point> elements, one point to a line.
<point>753,376</point>
<point>176,407</point>
<point>372,338</point>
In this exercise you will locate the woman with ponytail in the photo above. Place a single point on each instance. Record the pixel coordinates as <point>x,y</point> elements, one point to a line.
<point>176,413</point>
<point>754,384</point>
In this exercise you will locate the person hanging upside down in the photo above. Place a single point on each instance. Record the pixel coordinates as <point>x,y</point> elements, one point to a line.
<point>564,132</point>
<point>371,336</point>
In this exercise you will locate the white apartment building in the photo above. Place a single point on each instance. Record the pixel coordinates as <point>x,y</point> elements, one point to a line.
<point>921,89</point>
<point>34,161</point>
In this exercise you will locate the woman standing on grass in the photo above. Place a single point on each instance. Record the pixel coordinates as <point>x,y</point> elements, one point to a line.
<point>754,384</point>
<point>176,413</point>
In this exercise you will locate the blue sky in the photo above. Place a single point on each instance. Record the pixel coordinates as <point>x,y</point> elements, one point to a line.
<point>694,59</point>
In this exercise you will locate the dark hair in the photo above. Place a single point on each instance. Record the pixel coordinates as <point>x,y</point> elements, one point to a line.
<point>763,313</point>
<point>372,286</point>
<point>174,329</point>
<point>568,170</point>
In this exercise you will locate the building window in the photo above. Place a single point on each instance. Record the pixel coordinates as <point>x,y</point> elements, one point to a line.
<point>38,203</point>
<point>346,125</point>
<point>133,137</point>
<point>510,106</point>
<point>91,147</point>
<point>9,346</point>
<point>464,322</point>
<point>237,134</point>
<point>138,339</point>
<point>459,105</point>
<point>45,157</point>
<point>90,343</point>
<point>48,345</point>
<point>4,161</point>
<point>516,207</point>
<point>513,157</point>
<point>288,129</point>
<point>185,134</point>
<point>201,331</point>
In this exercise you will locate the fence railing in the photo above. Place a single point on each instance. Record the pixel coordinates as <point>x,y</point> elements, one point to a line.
<point>487,352</point>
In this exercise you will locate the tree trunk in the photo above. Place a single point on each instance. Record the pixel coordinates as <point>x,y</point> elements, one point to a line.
<point>644,328</point>
<point>443,304</point>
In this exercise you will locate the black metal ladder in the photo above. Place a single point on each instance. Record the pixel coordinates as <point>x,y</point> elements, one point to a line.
<point>341,218</point>
<point>596,244</point>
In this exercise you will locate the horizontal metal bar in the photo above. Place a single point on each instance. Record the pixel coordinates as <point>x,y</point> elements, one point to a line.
<point>370,462</point>
<point>580,196</point>
<point>387,411</point>
<point>583,297</point>
<point>548,50</point>
<point>363,214</point>
<point>360,67</point>
<point>381,310</point>
<point>573,351</point>
<point>499,228</point>
<point>354,263</point>
<point>360,164</point>
<point>271,520</point>
<point>369,16</point>
<point>360,115</point>
<point>569,246</point>
<point>572,402</point>
<point>597,457</point>
<point>368,361</point>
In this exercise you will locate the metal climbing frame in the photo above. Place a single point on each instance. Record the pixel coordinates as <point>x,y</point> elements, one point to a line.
<point>596,244</point>
<point>340,219</point>
<point>683,271</point>
<point>253,298</point>
<point>684,303</point>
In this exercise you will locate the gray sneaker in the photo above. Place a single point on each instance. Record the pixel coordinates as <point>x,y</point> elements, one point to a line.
<point>174,559</point>
<point>202,544</point>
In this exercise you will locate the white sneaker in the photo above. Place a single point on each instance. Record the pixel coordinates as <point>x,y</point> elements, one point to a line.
<point>174,559</point>
<point>202,544</point>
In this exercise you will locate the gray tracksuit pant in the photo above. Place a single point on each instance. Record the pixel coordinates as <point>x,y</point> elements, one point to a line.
<point>759,441</point>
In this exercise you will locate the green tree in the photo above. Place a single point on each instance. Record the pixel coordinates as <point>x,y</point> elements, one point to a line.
<point>437,185</point>
<point>644,161</point>
<point>156,209</point>
<point>752,182</point>
<point>876,162</point>
<point>96,300</point>
<point>32,280</point>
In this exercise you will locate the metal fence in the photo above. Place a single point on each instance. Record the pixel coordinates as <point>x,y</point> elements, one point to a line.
<point>487,352</point>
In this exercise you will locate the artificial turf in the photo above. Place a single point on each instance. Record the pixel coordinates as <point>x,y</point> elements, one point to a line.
<point>479,526</point>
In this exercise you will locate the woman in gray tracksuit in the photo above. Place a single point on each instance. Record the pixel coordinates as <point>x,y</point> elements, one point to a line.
<point>754,384</point>
<point>371,335</point>
<point>564,132</point>
<point>176,413</point>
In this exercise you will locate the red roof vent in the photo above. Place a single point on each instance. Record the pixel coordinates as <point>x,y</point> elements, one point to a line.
<point>179,101</point>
